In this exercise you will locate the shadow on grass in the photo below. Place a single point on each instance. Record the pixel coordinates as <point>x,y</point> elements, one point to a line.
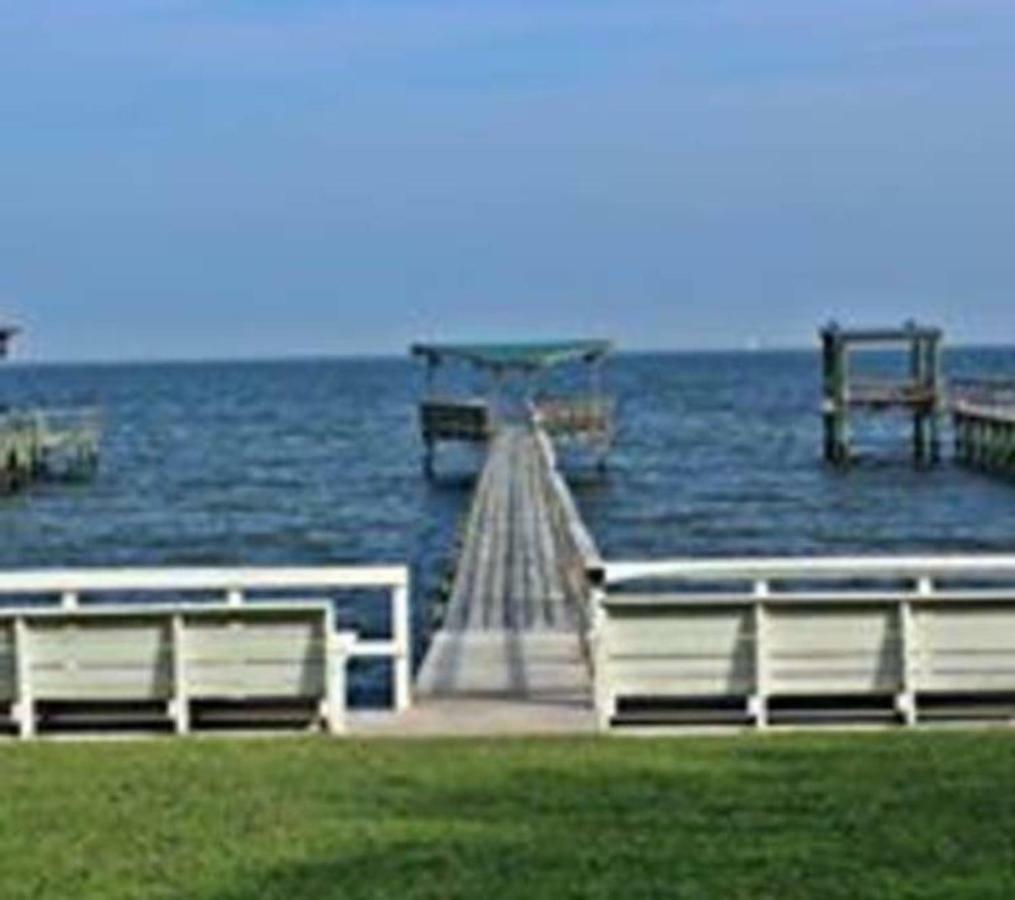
<point>657,823</point>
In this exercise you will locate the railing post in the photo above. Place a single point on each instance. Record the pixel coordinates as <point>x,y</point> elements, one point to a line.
<point>909,652</point>
<point>234,597</point>
<point>905,701</point>
<point>402,639</point>
<point>180,702</point>
<point>602,689</point>
<point>759,700</point>
<point>69,600</point>
<point>23,676</point>
<point>338,646</point>
<point>595,617</point>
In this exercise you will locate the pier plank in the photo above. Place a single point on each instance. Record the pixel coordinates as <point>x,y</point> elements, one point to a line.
<point>511,625</point>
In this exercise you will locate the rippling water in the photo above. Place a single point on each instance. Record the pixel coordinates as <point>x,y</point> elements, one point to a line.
<point>318,462</point>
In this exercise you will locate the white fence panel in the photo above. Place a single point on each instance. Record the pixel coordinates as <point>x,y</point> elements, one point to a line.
<point>693,650</point>
<point>841,639</point>
<point>815,649</point>
<point>129,645</point>
<point>84,658</point>
<point>965,647</point>
<point>229,656</point>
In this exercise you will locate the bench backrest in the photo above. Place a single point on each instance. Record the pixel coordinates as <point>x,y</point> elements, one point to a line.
<point>916,632</point>
<point>153,653</point>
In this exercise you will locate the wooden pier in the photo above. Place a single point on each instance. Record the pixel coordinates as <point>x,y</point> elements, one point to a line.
<point>514,624</point>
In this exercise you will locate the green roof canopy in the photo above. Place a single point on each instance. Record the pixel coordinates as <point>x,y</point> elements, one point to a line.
<point>521,357</point>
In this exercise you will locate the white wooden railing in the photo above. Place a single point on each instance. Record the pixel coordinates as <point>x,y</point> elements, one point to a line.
<point>582,560</point>
<point>916,630</point>
<point>563,417</point>
<point>830,568</point>
<point>580,542</point>
<point>990,392</point>
<point>78,593</point>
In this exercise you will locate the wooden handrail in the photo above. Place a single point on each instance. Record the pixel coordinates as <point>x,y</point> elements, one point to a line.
<point>812,568</point>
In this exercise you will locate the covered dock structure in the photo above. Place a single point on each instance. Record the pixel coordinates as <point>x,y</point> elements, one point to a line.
<point>515,393</point>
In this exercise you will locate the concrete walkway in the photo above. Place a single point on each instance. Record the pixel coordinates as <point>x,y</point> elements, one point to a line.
<point>478,717</point>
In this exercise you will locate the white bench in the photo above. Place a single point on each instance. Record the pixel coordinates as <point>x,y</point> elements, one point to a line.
<point>884,640</point>
<point>249,652</point>
<point>176,657</point>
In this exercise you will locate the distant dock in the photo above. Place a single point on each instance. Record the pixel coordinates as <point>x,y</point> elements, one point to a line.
<point>47,445</point>
<point>40,445</point>
<point>982,409</point>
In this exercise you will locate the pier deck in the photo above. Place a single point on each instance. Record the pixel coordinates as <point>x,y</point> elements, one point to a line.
<point>512,625</point>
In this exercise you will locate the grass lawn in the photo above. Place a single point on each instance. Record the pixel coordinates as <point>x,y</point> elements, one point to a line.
<point>889,815</point>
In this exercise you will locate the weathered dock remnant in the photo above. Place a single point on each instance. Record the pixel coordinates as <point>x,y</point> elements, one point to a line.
<point>919,395</point>
<point>515,622</point>
<point>983,417</point>
<point>45,444</point>
<point>515,373</point>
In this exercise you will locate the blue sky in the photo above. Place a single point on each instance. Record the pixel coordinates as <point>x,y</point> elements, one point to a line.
<point>257,177</point>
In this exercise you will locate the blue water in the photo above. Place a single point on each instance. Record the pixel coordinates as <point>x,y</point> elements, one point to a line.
<point>318,461</point>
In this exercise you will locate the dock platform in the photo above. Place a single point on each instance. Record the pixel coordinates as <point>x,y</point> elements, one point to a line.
<point>513,624</point>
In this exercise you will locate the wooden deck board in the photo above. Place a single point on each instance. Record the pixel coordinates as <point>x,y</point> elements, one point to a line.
<point>510,628</point>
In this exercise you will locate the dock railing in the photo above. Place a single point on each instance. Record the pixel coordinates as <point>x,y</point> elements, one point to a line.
<point>584,563</point>
<point>888,392</point>
<point>773,641</point>
<point>588,417</point>
<point>446,419</point>
<point>985,391</point>
<point>82,598</point>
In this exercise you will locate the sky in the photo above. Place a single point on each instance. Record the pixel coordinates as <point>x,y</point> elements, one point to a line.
<point>188,179</point>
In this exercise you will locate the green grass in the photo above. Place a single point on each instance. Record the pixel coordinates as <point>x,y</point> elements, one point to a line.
<point>826,816</point>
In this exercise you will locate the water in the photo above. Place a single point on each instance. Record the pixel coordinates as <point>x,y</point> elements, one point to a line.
<point>720,455</point>
<point>313,462</point>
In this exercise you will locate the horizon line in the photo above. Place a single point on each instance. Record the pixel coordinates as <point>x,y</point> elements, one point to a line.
<point>368,356</point>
